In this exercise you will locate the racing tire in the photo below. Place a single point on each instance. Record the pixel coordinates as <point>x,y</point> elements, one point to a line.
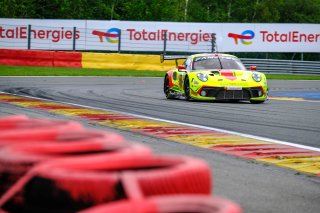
<point>187,88</point>
<point>75,184</point>
<point>169,204</point>
<point>166,88</point>
<point>256,102</point>
<point>11,120</point>
<point>18,162</point>
<point>15,123</point>
<point>234,101</point>
<point>29,130</point>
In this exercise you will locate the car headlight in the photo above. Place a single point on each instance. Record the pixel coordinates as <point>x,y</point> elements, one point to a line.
<point>202,76</point>
<point>256,76</point>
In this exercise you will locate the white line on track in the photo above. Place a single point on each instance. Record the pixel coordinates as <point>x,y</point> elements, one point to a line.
<point>181,123</point>
<point>279,98</point>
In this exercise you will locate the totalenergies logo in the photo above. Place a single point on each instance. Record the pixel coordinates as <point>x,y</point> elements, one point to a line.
<point>112,35</point>
<point>243,37</point>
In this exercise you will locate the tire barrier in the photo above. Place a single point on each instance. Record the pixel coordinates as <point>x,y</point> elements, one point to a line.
<point>20,129</point>
<point>80,182</point>
<point>56,137</point>
<point>114,61</point>
<point>67,59</point>
<point>40,58</point>
<point>170,204</point>
<point>13,120</point>
<point>59,166</point>
<point>16,160</point>
<point>26,57</point>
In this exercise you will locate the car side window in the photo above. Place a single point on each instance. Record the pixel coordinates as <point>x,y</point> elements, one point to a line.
<point>187,63</point>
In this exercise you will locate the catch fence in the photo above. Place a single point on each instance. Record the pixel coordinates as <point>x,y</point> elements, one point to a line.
<point>35,37</point>
<point>273,66</point>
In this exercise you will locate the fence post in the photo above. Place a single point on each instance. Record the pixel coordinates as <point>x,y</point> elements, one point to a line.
<point>213,42</point>
<point>29,36</point>
<point>164,42</point>
<point>74,38</point>
<point>119,41</point>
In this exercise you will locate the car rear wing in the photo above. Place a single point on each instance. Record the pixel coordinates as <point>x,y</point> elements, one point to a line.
<point>164,57</point>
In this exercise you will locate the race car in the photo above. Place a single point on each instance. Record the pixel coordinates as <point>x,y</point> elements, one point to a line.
<point>214,76</point>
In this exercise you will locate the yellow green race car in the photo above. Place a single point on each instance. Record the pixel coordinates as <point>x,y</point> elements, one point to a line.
<point>214,76</point>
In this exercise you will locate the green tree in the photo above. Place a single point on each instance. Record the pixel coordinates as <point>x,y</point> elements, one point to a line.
<point>299,11</point>
<point>17,9</point>
<point>149,10</point>
<point>250,11</point>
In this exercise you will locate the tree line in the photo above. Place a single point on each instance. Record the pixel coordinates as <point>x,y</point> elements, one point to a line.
<point>248,11</point>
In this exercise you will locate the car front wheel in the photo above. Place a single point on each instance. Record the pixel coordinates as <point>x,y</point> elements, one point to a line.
<point>187,89</point>
<point>256,102</point>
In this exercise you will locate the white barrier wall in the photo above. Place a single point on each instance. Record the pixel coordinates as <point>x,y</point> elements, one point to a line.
<point>149,36</point>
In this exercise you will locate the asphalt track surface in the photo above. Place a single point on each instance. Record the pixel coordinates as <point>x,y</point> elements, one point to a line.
<point>255,186</point>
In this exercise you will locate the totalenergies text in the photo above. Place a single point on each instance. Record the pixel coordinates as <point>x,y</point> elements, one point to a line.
<point>160,35</point>
<point>291,36</point>
<point>22,33</point>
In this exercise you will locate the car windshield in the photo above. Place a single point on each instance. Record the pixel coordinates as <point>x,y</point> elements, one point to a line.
<point>215,62</point>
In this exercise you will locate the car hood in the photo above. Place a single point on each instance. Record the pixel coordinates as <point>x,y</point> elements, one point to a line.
<point>229,74</point>
<point>224,77</point>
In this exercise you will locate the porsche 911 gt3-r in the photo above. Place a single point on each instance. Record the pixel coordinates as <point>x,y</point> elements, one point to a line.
<point>213,76</point>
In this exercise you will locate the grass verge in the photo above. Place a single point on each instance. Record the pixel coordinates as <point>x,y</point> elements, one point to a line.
<point>62,71</point>
<point>292,77</point>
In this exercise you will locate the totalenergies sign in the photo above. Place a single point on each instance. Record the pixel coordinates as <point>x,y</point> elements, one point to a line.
<point>272,38</point>
<point>112,35</point>
<point>54,35</point>
<point>269,37</point>
<point>158,36</point>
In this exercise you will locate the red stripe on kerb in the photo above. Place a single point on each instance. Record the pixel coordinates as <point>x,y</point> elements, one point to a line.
<point>163,132</point>
<point>20,100</point>
<point>106,117</point>
<point>48,107</point>
<point>256,151</point>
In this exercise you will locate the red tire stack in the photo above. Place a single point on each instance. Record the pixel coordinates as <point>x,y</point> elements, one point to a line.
<point>170,204</point>
<point>60,166</point>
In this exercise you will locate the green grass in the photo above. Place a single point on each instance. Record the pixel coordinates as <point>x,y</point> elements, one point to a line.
<point>293,77</point>
<point>61,71</point>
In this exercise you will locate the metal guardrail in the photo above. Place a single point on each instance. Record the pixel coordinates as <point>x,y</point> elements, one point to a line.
<point>273,66</point>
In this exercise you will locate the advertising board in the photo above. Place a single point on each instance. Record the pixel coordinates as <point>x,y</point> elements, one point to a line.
<point>157,36</point>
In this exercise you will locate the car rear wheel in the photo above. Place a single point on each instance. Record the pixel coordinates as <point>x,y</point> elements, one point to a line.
<point>166,88</point>
<point>187,89</point>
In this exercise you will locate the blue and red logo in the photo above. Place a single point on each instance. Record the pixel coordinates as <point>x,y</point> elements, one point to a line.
<point>244,37</point>
<point>112,35</point>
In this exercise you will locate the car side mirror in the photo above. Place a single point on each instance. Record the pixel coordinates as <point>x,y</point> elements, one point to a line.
<point>182,67</point>
<point>253,67</point>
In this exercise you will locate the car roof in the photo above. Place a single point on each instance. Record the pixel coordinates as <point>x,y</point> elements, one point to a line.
<point>212,54</point>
